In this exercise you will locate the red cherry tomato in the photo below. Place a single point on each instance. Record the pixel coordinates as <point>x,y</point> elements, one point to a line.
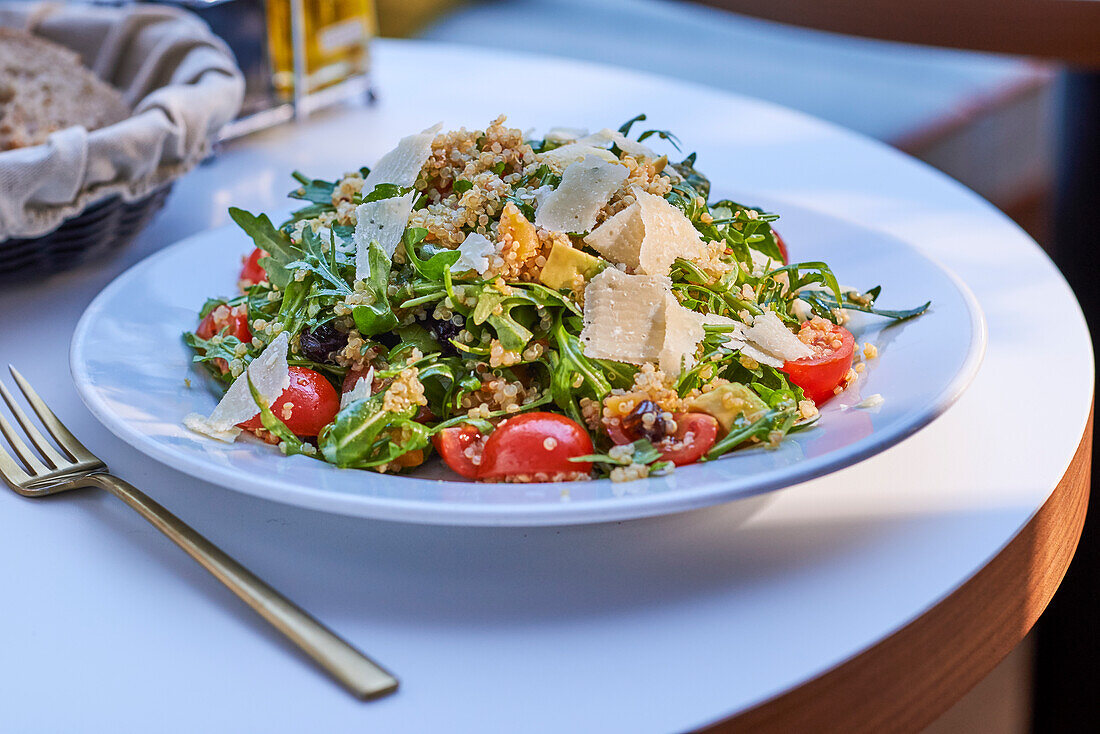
<point>223,316</point>
<point>313,404</point>
<point>235,320</point>
<point>451,443</point>
<point>695,434</point>
<point>535,443</point>
<point>253,272</point>
<point>820,374</point>
<point>782,247</point>
<point>702,427</point>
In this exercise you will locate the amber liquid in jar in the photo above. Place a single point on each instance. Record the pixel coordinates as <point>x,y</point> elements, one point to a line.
<point>334,34</point>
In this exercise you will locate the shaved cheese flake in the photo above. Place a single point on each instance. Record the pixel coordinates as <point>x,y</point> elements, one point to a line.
<point>381,221</point>
<point>683,332</point>
<point>561,158</point>
<point>360,391</point>
<point>474,254</point>
<point>604,138</point>
<point>647,236</point>
<point>561,134</point>
<point>752,352</point>
<point>637,319</point>
<point>271,376</point>
<point>585,187</point>
<point>402,165</point>
<point>772,336</point>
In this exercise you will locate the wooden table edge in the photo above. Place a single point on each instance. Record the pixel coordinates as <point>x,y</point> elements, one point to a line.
<point>907,680</point>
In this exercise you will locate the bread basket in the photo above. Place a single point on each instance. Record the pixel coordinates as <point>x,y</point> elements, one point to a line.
<point>83,194</point>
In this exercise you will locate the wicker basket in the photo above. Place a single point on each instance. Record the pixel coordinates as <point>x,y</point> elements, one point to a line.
<point>84,194</point>
<point>99,230</point>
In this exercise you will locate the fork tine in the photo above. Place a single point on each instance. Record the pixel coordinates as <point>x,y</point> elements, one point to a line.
<point>10,470</point>
<point>56,428</point>
<point>21,449</point>
<point>52,456</point>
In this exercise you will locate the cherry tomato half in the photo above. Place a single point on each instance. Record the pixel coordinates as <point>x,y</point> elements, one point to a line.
<point>234,320</point>
<point>679,448</point>
<point>695,434</point>
<point>782,248</point>
<point>220,318</point>
<point>820,374</point>
<point>451,443</point>
<point>252,272</point>
<point>313,403</point>
<point>535,443</point>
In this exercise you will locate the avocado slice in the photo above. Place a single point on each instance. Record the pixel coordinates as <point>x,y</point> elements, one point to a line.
<point>564,263</point>
<point>728,402</point>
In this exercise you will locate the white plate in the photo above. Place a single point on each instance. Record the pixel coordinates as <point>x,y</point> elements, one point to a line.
<point>132,369</point>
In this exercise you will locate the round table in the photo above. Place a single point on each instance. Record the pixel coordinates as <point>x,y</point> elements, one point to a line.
<point>866,600</point>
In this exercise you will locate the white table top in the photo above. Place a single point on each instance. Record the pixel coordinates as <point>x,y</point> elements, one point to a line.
<point>653,625</point>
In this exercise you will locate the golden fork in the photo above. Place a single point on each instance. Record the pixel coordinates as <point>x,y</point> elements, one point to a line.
<point>80,468</point>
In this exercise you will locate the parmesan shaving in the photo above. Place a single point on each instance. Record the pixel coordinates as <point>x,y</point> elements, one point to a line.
<point>560,158</point>
<point>474,254</point>
<point>360,391</point>
<point>402,165</point>
<point>585,187</point>
<point>381,221</point>
<point>271,376</point>
<point>561,134</point>
<point>769,334</point>
<point>637,319</point>
<point>607,136</point>
<point>647,236</point>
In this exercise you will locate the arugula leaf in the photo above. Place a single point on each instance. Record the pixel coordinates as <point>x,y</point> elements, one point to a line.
<point>291,444</point>
<point>823,305</point>
<point>663,135</point>
<point>281,251</point>
<point>625,127</point>
<point>432,268</point>
<point>317,191</point>
<point>376,317</point>
<point>697,181</point>
<point>461,186</point>
<point>364,435</point>
<point>386,191</point>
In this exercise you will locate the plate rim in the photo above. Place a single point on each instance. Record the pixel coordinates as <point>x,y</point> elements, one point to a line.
<point>501,514</point>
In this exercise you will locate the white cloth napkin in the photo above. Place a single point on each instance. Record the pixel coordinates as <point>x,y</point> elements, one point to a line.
<point>181,81</point>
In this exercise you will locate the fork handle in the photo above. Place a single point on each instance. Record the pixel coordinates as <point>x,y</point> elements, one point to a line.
<point>358,673</point>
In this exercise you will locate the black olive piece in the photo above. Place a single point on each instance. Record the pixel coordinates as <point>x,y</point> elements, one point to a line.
<point>443,332</point>
<point>635,427</point>
<point>320,343</point>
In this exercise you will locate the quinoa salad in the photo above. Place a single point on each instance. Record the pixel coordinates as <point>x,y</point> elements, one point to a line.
<point>531,309</point>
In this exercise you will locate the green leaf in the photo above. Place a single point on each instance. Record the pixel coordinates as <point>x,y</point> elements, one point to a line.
<point>419,337</point>
<point>461,186</point>
<point>376,317</point>
<point>386,191</point>
<point>317,191</point>
<point>625,127</point>
<point>663,135</point>
<point>363,435</point>
<point>280,249</point>
<point>432,269</point>
<point>291,443</point>
<point>512,335</point>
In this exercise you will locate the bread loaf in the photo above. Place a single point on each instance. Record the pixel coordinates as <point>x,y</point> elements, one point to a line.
<point>45,88</point>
